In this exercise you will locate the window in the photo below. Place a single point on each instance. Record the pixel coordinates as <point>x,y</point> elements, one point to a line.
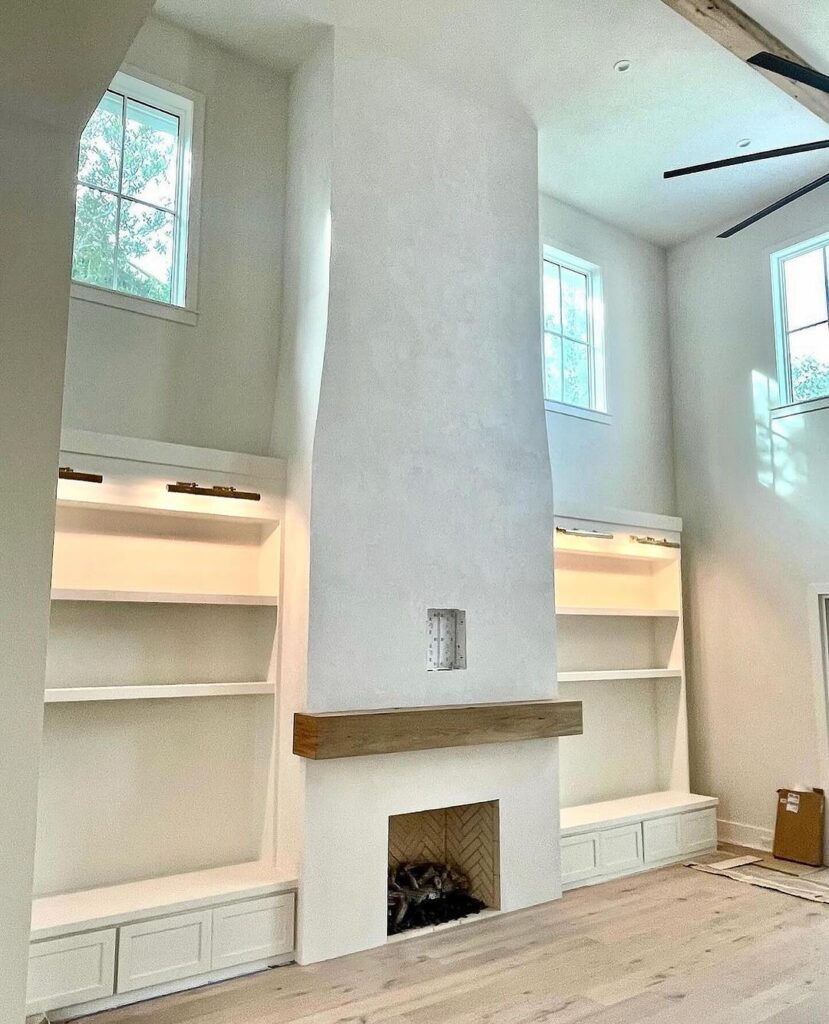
<point>574,370</point>
<point>800,281</point>
<point>134,194</point>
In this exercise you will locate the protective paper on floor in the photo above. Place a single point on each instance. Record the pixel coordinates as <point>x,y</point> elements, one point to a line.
<point>750,871</point>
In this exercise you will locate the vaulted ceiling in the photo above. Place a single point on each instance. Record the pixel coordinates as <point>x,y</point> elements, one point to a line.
<point>604,137</point>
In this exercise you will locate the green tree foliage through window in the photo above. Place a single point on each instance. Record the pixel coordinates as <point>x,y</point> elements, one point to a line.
<point>126,205</point>
<point>810,378</point>
<point>567,355</point>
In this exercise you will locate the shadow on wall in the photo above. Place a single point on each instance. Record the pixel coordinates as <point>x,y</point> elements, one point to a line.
<point>782,444</point>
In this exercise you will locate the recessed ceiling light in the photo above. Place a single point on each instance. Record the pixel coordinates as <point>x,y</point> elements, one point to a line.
<point>743,143</point>
<point>622,65</point>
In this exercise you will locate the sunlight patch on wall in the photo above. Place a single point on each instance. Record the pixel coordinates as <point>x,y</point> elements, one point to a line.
<point>764,394</point>
<point>782,462</point>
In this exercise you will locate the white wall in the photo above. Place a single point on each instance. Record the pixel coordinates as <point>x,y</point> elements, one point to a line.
<point>32,338</point>
<point>212,384</point>
<point>753,495</point>
<point>604,764</point>
<point>305,319</point>
<point>431,479</point>
<point>38,163</point>
<point>627,463</point>
<point>159,788</point>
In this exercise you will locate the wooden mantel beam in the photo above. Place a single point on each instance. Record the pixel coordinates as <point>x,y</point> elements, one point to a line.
<point>393,730</point>
<point>732,28</point>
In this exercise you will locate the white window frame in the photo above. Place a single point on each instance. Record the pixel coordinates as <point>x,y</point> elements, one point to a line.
<point>188,106</point>
<point>598,409</point>
<point>787,405</point>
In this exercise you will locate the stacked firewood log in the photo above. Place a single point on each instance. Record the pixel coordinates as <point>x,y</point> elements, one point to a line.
<point>427,894</point>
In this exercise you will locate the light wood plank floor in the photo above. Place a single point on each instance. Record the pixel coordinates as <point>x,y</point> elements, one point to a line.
<point>673,946</point>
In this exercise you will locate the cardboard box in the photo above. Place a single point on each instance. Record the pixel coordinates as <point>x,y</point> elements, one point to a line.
<point>798,834</point>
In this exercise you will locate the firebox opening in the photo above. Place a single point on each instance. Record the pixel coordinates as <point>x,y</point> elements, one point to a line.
<point>443,865</point>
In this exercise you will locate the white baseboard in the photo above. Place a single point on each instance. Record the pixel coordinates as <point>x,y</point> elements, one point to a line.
<point>744,835</point>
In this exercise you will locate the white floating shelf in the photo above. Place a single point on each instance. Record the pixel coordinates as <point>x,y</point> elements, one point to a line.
<point>210,509</point>
<point>631,809</point>
<point>601,675</point>
<point>75,694</point>
<point>671,613</point>
<point>117,904</point>
<point>160,597</point>
<point>648,553</point>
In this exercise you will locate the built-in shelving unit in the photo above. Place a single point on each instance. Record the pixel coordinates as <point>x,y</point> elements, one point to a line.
<point>625,796</point>
<point>157,781</point>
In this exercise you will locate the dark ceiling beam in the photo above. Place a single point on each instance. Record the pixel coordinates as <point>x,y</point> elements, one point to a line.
<point>732,28</point>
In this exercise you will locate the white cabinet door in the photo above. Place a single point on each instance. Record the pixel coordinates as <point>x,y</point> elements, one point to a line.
<point>64,972</point>
<point>698,830</point>
<point>168,948</point>
<point>253,930</point>
<point>662,838</point>
<point>579,857</point>
<point>620,849</point>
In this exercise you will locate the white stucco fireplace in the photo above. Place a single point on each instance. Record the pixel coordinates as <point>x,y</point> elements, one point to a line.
<point>343,904</point>
<point>420,480</point>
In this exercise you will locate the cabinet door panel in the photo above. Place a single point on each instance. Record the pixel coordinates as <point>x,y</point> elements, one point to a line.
<point>152,952</point>
<point>699,830</point>
<point>253,930</point>
<point>662,838</point>
<point>64,972</point>
<point>620,849</point>
<point>579,857</point>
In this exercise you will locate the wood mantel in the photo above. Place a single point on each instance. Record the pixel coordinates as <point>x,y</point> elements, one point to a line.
<point>392,730</point>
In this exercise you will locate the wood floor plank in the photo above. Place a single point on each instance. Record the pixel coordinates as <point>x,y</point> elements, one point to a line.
<point>668,947</point>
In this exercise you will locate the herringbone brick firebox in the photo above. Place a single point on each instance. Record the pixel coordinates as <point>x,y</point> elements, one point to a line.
<point>464,837</point>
